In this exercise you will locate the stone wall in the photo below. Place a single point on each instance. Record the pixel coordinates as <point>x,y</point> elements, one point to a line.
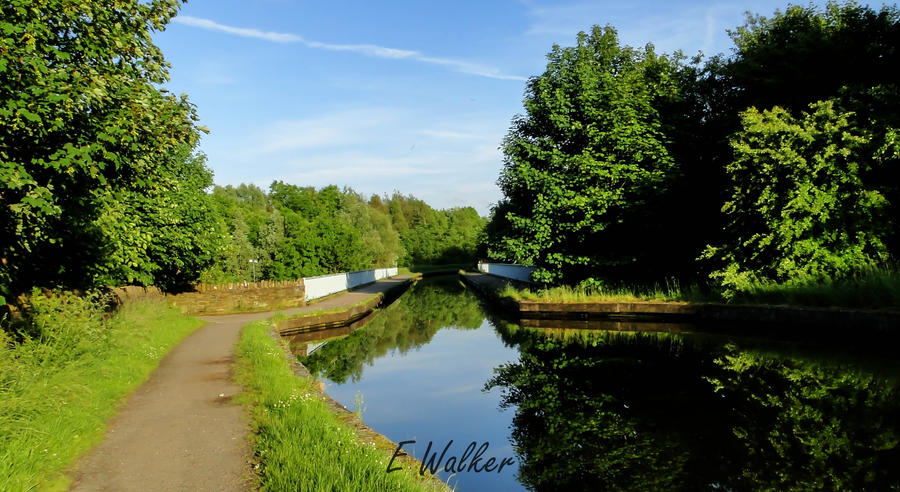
<point>240,297</point>
<point>256,296</point>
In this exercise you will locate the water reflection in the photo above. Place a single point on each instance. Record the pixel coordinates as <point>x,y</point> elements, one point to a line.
<point>411,322</point>
<point>638,411</point>
<point>629,407</point>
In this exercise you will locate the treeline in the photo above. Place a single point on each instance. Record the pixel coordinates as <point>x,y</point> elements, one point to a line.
<point>101,184</point>
<point>291,232</point>
<point>778,163</point>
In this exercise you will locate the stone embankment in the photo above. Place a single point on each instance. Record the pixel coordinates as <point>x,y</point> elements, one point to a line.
<point>884,322</point>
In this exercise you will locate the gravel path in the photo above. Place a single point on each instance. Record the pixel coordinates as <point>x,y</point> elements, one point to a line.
<point>179,430</point>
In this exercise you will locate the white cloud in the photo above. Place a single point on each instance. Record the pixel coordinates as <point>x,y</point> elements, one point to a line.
<point>274,37</point>
<point>364,49</point>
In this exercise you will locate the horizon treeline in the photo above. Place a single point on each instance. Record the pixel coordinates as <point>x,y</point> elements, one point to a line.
<point>778,163</point>
<point>291,232</point>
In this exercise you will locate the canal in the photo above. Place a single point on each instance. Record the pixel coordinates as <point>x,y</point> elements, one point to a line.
<point>585,409</point>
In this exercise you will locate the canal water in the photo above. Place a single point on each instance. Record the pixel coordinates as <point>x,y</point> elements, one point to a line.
<point>582,409</point>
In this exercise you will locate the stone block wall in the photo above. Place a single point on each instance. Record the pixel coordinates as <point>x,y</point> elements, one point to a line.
<point>240,297</point>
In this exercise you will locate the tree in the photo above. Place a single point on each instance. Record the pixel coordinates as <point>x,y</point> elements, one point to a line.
<point>82,125</point>
<point>810,101</point>
<point>586,165</point>
<point>799,207</point>
<point>845,53</point>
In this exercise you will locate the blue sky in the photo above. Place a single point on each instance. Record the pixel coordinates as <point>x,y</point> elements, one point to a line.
<point>405,96</point>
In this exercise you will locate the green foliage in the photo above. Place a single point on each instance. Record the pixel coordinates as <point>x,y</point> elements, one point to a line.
<point>294,232</point>
<point>164,233</point>
<point>869,289</point>
<point>619,168</point>
<point>806,54</point>
<point>329,231</point>
<point>62,372</point>
<point>89,147</point>
<point>301,443</point>
<point>800,207</point>
<point>587,163</point>
<point>845,54</point>
<point>433,236</point>
<point>592,291</point>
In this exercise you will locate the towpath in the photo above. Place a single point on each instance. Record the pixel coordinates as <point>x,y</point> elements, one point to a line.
<point>179,430</point>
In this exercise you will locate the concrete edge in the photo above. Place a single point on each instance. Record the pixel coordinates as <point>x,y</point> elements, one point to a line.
<point>293,325</point>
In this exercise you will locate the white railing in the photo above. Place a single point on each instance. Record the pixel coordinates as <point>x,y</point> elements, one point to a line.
<point>507,270</point>
<point>324,285</point>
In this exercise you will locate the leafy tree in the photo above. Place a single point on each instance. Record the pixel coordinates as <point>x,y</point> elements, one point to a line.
<point>807,54</point>
<point>83,126</point>
<point>379,242</point>
<point>161,232</point>
<point>434,236</point>
<point>844,53</point>
<point>800,207</point>
<point>585,168</point>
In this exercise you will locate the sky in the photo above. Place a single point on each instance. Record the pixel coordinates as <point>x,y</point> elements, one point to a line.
<point>405,96</point>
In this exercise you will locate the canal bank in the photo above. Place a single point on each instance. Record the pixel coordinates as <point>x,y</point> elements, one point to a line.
<point>302,437</point>
<point>345,308</point>
<point>783,320</point>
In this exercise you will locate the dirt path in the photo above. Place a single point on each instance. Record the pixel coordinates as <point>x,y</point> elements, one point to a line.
<point>179,431</point>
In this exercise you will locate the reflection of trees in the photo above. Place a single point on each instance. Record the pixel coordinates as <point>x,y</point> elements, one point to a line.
<point>409,322</point>
<point>654,411</point>
<point>811,425</point>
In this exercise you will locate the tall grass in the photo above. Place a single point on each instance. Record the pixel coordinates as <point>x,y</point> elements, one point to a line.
<point>672,291</point>
<point>62,373</point>
<point>872,289</point>
<point>301,444</point>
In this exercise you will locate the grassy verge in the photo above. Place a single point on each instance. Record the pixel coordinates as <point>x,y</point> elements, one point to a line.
<point>876,289</point>
<point>567,294</point>
<point>301,443</point>
<point>64,374</point>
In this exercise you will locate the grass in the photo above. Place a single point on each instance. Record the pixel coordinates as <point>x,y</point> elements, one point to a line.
<point>875,289</point>
<point>65,375</point>
<point>566,294</point>
<point>300,443</point>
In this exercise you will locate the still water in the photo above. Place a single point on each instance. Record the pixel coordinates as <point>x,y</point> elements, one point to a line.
<point>596,410</point>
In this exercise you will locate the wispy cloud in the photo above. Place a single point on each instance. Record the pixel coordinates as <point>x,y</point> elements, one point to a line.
<point>364,49</point>
<point>673,27</point>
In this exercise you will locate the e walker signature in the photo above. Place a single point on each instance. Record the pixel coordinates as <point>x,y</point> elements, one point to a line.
<point>454,464</point>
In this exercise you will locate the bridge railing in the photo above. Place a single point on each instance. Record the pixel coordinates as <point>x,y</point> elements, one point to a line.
<point>324,285</point>
<point>507,270</point>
